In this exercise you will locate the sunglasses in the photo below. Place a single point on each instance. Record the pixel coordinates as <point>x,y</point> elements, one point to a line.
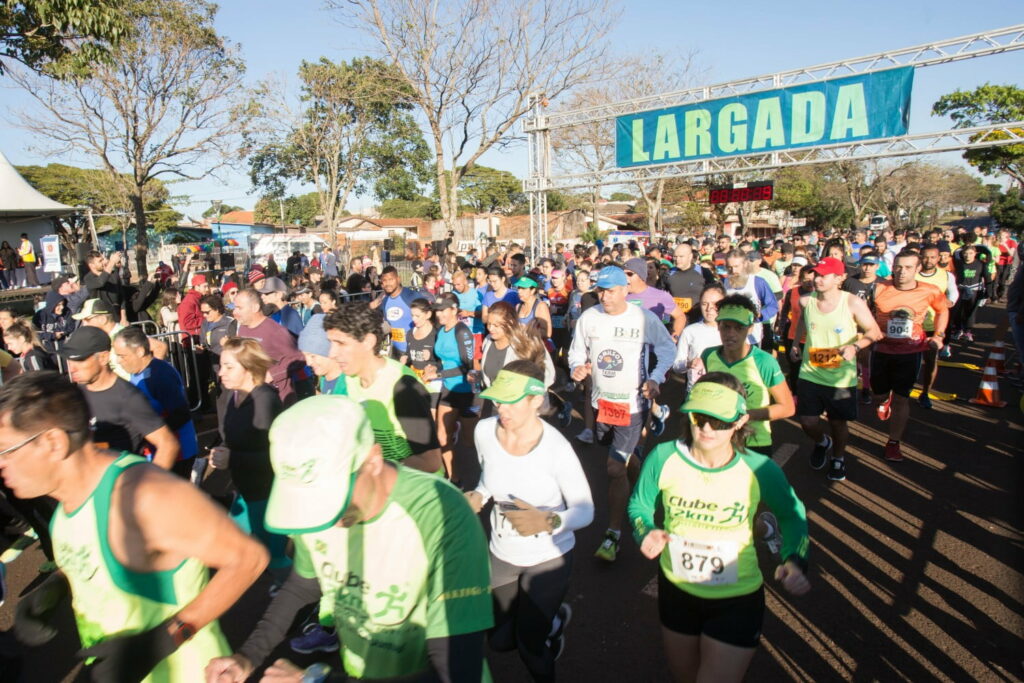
<point>699,420</point>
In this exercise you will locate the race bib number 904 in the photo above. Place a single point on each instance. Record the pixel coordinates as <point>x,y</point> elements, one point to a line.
<point>712,564</point>
<point>899,328</point>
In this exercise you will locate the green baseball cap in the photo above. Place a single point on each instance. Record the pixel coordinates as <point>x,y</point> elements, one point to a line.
<point>316,449</point>
<point>737,314</point>
<point>526,282</point>
<point>716,400</point>
<point>511,387</point>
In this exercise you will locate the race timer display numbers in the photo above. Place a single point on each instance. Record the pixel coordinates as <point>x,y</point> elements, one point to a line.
<point>751,192</point>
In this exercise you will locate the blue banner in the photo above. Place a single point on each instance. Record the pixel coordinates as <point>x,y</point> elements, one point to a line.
<point>864,107</point>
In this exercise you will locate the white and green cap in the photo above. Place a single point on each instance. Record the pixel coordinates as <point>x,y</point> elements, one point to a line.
<point>716,400</point>
<point>316,449</point>
<point>511,387</point>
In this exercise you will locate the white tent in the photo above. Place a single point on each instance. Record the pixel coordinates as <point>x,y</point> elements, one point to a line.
<point>23,209</point>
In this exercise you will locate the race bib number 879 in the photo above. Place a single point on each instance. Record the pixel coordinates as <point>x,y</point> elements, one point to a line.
<point>712,564</point>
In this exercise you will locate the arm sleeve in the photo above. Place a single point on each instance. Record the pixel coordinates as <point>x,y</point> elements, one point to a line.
<point>266,407</point>
<point>578,347</point>
<point>464,341</point>
<point>682,353</point>
<point>457,659</point>
<point>789,510</point>
<point>579,504</point>
<point>296,592</point>
<point>412,408</point>
<point>647,491</point>
<point>662,344</point>
<point>952,291</point>
<point>769,304</point>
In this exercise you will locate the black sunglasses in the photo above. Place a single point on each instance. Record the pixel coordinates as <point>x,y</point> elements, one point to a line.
<point>700,419</point>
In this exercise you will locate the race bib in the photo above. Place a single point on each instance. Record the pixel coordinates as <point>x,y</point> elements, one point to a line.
<point>825,358</point>
<point>685,303</point>
<point>899,328</point>
<point>558,322</point>
<point>711,564</point>
<point>397,335</point>
<point>612,413</point>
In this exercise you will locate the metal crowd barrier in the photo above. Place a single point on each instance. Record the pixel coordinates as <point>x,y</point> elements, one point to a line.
<point>183,358</point>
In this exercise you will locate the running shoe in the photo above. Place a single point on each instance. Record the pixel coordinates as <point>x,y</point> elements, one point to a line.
<point>314,638</point>
<point>557,639</point>
<point>837,469</point>
<point>892,451</point>
<point>565,414</point>
<point>885,409</point>
<point>925,400</point>
<point>945,353</point>
<point>658,417</point>
<point>969,337</point>
<point>609,548</point>
<point>774,539</point>
<point>586,436</point>
<point>819,456</point>
<point>16,527</point>
<point>569,387</point>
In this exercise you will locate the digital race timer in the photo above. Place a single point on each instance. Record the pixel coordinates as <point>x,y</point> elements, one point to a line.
<point>751,192</point>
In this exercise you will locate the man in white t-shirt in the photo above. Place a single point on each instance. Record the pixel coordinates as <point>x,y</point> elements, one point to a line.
<point>612,344</point>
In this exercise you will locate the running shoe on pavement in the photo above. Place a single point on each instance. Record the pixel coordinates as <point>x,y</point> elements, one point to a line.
<point>837,469</point>
<point>774,539</point>
<point>315,638</point>
<point>658,417</point>
<point>586,436</point>
<point>884,409</point>
<point>557,639</point>
<point>945,353</point>
<point>609,548</point>
<point>565,414</point>
<point>893,452</point>
<point>925,400</point>
<point>819,456</point>
<point>969,337</point>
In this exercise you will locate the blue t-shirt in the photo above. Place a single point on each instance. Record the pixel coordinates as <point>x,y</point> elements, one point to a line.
<point>162,385</point>
<point>490,298</point>
<point>446,347</point>
<point>399,317</point>
<point>289,318</point>
<point>471,300</point>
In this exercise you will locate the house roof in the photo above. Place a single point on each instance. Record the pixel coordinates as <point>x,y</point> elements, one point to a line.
<point>237,218</point>
<point>19,199</point>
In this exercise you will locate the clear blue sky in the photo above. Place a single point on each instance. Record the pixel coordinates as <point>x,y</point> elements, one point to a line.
<point>733,40</point>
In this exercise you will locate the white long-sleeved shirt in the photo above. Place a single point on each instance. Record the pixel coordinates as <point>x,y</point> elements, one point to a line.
<point>549,477</point>
<point>692,343</point>
<point>617,347</point>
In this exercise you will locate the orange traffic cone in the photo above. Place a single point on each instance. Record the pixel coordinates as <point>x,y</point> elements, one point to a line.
<point>988,390</point>
<point>997,357</point>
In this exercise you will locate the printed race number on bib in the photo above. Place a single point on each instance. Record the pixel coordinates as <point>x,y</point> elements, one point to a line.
<point>825,358</point>
<point>713,564</point>
<point>899,328</point>
<point>612,413</point>
<point>684,302</point>
<point>397,335</point>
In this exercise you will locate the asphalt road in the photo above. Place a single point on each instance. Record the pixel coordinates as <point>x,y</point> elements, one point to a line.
<point>916,566</point>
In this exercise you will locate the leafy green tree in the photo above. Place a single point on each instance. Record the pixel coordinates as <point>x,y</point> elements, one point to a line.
<point>591,235</point>
<point>1008,210</point>
<point>298,210</point>
<point>421,207</point>
<point>813,193</point>
<point>988,104</point>
<point>61,36</point>
<point>214,211</point>
<point>621,197</point>
<point>350,132</point>
<point>489,190</point>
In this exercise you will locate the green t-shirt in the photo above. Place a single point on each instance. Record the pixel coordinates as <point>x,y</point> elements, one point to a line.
<point>757,372</point>
<point>418,570</point>
<point>710,514</point>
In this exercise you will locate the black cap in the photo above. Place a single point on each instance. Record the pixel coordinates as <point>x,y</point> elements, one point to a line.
<point>444,301</point>
<point>85,342</point>
<point>59,281</point>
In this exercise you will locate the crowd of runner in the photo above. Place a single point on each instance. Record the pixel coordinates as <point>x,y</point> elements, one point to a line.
<point>342,390</point>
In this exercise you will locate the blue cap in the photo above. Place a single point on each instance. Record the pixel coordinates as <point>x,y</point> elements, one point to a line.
<point>314,338</point>
<point>869,258</point>
<point>611,276</point>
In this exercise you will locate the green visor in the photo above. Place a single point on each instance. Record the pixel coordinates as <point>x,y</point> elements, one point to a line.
<point>737,314</point>
<point>526,282</point>
<point>716,400</point>
<point>511,387</point>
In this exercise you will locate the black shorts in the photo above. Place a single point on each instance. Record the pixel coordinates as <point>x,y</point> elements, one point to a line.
<point>895,372</point>
<point>813,399</point>
<point>460,400</point>
<point>734,621</point>
<point>622,441</point>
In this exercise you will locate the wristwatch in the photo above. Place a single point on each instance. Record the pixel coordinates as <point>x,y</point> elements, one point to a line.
<point>554,521</point>
<point>180,631</point>
<point>316,673</point>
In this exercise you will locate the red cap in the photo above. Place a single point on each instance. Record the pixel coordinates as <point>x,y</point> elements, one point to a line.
<point>198,280</point>
<point>830,266</point>
<point>228,286</point>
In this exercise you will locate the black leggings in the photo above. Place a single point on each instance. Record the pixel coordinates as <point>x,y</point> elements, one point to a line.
<point>37,512</point>
<point>526,600</point>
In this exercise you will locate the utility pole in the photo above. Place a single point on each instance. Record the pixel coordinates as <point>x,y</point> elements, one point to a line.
<point>280,205</point>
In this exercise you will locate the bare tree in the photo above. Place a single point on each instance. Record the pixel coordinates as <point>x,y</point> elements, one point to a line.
<point>922,191</point>
<point>162,105</point>
<point>473,65</point>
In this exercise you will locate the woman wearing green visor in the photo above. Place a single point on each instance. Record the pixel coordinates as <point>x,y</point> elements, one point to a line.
<point>710,592</point>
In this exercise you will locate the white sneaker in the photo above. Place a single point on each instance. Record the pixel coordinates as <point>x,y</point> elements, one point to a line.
<point>586,436</point>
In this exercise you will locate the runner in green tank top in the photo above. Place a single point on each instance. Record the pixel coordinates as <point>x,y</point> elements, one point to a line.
<point>396,557</point>
<point>768,395</point>
<point>133,543</point>
<point>837,326</point>
<point>396,401</point>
